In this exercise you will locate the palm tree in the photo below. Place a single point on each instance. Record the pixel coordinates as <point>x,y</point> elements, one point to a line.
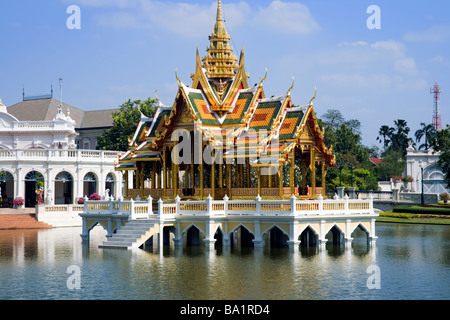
<point>385,132</point>
<point>400,138</point>
<point>429,132</point>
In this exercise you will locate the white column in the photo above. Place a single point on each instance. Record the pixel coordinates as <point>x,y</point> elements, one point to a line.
<point>348,232</point>
<point>293,235</point>
<point>19,186</point>
<point>322,239</point>
<point>209,239</point>
<point>258,241</point>
<point>78,184</point>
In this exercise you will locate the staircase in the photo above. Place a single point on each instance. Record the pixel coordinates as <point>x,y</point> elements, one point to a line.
<point>132,235</point>
<point>21,220</point>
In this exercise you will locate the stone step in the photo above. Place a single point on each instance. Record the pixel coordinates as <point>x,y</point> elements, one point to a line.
<point>128,235</point>
<point>21,221</point>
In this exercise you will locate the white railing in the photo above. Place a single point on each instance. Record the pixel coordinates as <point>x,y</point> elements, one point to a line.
<point>133,209</point>
<point>209,207</point>
<point>44,125</point>
<point>58,154</point>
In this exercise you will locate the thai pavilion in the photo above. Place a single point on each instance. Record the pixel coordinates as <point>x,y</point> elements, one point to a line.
<point>222,137</point>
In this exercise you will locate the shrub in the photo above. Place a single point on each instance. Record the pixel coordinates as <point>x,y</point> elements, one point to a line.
<point>407,179</point>
<point>422,210</point>
<point>18,202</point>
<point>80,201</point>
<point>444,196</point>
<point>95,197</point>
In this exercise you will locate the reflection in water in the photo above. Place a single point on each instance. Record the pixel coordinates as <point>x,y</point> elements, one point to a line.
<point>413,261</point>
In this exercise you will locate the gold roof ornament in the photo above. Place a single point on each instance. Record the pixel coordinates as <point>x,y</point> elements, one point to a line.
<point>220,62</point>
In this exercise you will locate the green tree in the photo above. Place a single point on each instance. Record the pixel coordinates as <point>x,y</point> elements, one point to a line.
<point>426,131</point>
<point>345,137</point>
<point>384,135</point>
<point>393,165</point>
<point>125,121</point>
<point>400,139</point>
<point>395,138</point>
<point>442,144</point>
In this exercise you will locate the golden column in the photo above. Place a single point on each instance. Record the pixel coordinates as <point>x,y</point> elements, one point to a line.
<point>153,183</point>
<point>324,173</point>
<point>304,191</point>
<point>164,172</point>
<point>127,192</point>
<point>292,172</point>
<point>313,170</point>
<point>192,185</point>
<point>221,174</point>
<point>229,175</point>
<point>141,180</point>
<point>280,179</point>
<point>247,164</point>
<point>259,181</point>
<point>202,177</point>
<point>174,174</point>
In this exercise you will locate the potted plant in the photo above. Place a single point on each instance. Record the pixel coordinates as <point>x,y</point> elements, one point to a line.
<point>406,180</point>
<point>18,203</point>
<point>95,197</point>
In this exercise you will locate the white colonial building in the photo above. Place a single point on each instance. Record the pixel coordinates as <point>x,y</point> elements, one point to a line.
<point>40,162</point>
<point>433,177</point>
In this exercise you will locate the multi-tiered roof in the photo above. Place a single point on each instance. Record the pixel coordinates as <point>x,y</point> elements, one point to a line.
<point>232,115</point>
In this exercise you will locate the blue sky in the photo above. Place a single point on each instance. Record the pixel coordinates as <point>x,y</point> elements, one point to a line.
<point>130,48</point>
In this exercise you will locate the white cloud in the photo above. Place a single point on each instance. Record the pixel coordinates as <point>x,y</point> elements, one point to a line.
<point>405,66</point>
<point>380,66</point>
<point>192,19</point>
<point>396,48</point>
<point>286,17</point>
<point>436,33</point>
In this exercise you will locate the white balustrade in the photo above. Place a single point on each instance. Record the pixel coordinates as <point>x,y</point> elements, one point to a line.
<point>58,154</point>
<point>209,207</point>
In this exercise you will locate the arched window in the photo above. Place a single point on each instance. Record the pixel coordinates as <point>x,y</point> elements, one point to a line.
<point>34,186</point>
<point>6,189</point>
<point>110,184</point>
<point>34,176</point>
<point>6,176</point>
<point>64,177</point>
<point>89,184</point>
<point>64,188</point>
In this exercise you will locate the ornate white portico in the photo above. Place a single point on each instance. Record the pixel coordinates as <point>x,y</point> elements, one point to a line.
<point>39,162</point>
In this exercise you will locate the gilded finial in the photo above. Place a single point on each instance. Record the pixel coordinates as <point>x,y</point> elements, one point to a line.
<point>313,98</point>
<point>178,79</point>
<point>156,95</point>
<point>292,86</point>
<point>263,79</point>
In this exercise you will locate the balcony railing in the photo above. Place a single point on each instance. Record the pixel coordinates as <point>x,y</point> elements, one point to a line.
<point>293,207</point>
<point>58,154</point>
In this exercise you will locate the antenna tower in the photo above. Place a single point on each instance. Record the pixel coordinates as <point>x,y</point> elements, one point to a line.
<point>436,92</point>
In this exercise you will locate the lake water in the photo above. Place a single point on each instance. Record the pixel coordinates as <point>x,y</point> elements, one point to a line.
<point>410,262</point>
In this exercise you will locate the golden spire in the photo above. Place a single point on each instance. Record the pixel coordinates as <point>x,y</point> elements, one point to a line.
<point>220,62</point>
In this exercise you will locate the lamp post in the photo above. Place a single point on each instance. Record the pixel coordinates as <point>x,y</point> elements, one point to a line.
<point>351,167</point>
<point>340,167</point>
<point>422,196</point>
